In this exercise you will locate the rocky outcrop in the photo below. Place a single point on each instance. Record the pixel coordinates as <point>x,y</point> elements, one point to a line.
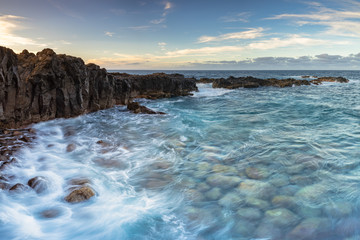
<point>251,82</point>
<point>329,79</point>
<point>47,85</point>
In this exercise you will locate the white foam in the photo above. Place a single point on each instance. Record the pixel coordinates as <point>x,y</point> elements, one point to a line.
<point>206,90</point>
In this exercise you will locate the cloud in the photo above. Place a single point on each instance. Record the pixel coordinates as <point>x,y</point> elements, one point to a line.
<point>238,17</point>
<point>273,43</point>
<point>293,40</point>
<point>157,21</point>
<point>250,34</point>
<point>322,61</point>
<point>110,34</point>
<point>204,51</point>
<point>162,45</point>
<point>344,22</point>
<point>168,5</point>
<point>140,28</point>
<point>8,25</point>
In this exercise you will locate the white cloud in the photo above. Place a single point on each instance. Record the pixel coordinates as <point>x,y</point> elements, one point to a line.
<point>8,25</point>
<point>337,22</point>
<point>239,17</point>
<point>157,21</point>
<point>168,5</point>
<point>294,40</point>
<point>110,34</point>
<point>162,45</point>
<point>204,51</point>
<point>250,34</point>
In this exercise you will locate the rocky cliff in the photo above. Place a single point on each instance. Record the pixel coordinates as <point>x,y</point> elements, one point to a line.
<point>47,85</point>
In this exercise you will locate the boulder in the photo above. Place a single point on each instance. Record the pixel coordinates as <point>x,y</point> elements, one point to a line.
<point>39,184</point>
<point>80,195</point>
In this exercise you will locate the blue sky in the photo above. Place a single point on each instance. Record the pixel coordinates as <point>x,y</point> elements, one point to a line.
<point>182,34</point>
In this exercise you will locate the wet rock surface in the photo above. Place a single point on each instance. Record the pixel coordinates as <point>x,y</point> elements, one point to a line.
<point>47,85</point>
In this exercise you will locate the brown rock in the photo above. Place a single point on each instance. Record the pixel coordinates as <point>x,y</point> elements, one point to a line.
<point>18,187</point>
<point>71,147</point>
<point>80,195</point>
<point>39,184</point>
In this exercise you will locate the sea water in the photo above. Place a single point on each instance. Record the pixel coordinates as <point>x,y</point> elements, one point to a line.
<point>264,163</point>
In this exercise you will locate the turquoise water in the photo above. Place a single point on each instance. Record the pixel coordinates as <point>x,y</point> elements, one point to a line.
<point>265,163</point>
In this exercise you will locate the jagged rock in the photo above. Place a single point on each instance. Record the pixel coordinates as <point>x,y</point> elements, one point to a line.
<point>80,195</point>
<point>47,85</point>
<point>135,107</point>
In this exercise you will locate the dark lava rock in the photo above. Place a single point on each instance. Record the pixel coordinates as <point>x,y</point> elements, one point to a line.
<point>39,184</point>
<point>48,85</point>
<point>251,82</point>
<point>80,195</point>
<point>137,108</point>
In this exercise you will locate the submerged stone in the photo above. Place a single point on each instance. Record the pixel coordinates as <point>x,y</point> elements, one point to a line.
<point>338,209</point>
<point>231,200</point>
<point>225,182</point>
<point>252,214</point>
<point>281,217</point>
<point>257,173</point>
<point>244,228</point>
<point>256,189</point>
<point>213,194</point>
<point>312,228</point>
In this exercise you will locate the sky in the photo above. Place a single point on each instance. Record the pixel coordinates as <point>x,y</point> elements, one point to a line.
<point>189,34</point>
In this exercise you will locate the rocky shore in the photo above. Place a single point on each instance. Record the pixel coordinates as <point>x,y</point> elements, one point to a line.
<point>47,85</point>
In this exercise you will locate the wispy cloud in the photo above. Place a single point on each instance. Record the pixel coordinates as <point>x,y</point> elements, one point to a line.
<point>249,34</point>
<point>8,25</point>
<point>162,45</point>
<point>140,28</point>
<point>158,21</point>
<point>109,34</point>
<point>273,43</point>
<point>167,6</point>
<point>344,22</point>
<point>238,17</point>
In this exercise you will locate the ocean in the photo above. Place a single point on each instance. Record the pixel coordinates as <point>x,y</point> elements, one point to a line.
<point>263,163</point>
